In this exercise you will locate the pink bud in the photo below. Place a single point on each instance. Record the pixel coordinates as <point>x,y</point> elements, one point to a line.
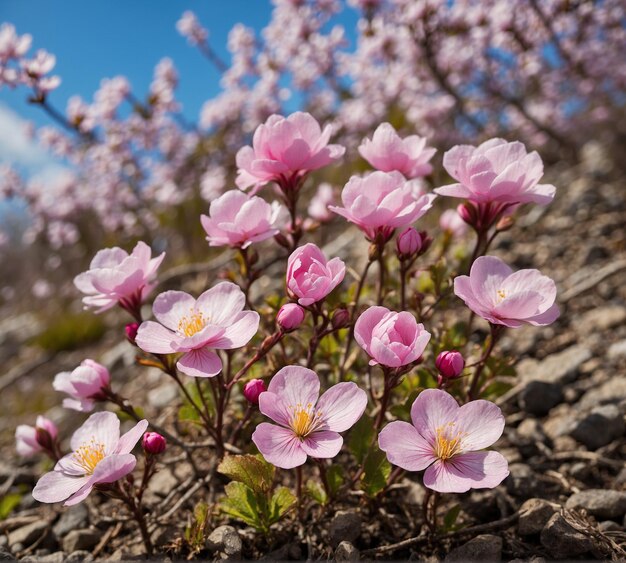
<point>408,243</point>
<point>290,316</point>
<point>467,212</point>
<point>131,331</point>
<point>153,443</point>
<point>450,363</point>
<point>253,389</point>
<point>341,318</point>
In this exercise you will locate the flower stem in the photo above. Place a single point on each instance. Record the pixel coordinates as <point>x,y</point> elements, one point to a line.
<point>496,332</point>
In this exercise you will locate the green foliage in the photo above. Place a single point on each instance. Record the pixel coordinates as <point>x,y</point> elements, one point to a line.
<point>334,476</point>
<point>376,470</point>
<point>250,496</point>
<point>70,331</point>
<point>195,532</point>
<point>361,438</point>
<point>449,520</point>
<point>187,412</point>
<point>8,503</point>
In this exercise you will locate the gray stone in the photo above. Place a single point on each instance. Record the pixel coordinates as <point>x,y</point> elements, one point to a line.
<point>521,482</point>
<point>74,518</point>
<point>346,552</point>
<point>534,515</point>
<point>538,397</point>
<point>26,535</point>
<point>79,557</point>
<point>557,368</point>
<point>602,318</point>
<point>485,547</point>
<point>163,395</point>
<point>77,540</point>
<point>562,540</point>
<point>5,555</point>
<point>601,503</point>
<point>345,526</point>
<point>617,350</point>
<point>609,526</point>
<point>226,540</point>
<point>600,427</point>
<point>611,392</point>
<point>56,557</point>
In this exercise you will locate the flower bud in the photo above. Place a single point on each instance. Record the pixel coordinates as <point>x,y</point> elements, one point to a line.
<point>450,364</point>
<point>153,443</point>
<point>468,213</point>
<point>290,316</point>
<point>408,243</point>
<point>253,389</point>
<point>505,223</point>
<point>341,318</point>
<point>131,331</point>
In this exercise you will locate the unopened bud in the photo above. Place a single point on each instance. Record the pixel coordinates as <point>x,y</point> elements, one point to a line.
<point>153,443</point>
<point>467,212</point>
<point>450,364</point>
<point>253,389</point>
<point>290,316</point>
<point>408,243</point>
<point>131,331</point>
<point>341,318</point>
<point>282,240</point>
<point>505,223</point>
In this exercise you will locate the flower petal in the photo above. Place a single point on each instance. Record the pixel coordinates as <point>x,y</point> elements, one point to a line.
<point>202,362</point>
<point>342,405</point>
<point>222,303</point>
<point>55,486</point>
<point>102,428</point>
<point>156,339</point>
<point>433,409</point>
<point>405,447</point>
<point>322,444</point>
<point>279,446</point>
<point>295,385</point>
<point>481,422</point>
<point>129,439</point>
<point>171,306</point>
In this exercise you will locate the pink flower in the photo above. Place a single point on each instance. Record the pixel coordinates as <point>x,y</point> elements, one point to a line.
<point>310,277</point>
<point>387,152</point>
<point>290,316</point>
<point>99,455</point>
<point>306,425</point>
<point>253,389</point>
<point>450,363</point>
<point>114,277</point>
<point>30,440</point>
<point>153,443</point>
<point>215,321</point>
<point>381,202</point>
<point>503,297</point>
<point>237,219</point>
<point>452,222</point>
<point>496,171</point>
<point>318,206</point>
<point>284,149</point>
<point>85,385</point>
<point>444,439</point>
<point>391,339</point>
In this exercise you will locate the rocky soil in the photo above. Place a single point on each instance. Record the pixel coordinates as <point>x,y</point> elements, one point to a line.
<point>564,499</point>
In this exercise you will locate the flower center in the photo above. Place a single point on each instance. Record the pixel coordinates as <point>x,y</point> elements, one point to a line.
<point>501,295</point>
<point>447,442</point>
<point>89,455</point>
<point>192,324</point>
<point>304,420</point>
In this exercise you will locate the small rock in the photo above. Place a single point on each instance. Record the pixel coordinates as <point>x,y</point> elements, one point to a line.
<point>620,480</point>
<point>600,427</point>
<point>346,526</point>
<point>562,540</point>
<point>485,547</point>
<point>164,536</point>
<point>160,485</point>
<point>346,552</point>
<point>226,540</point>
<point>5,555</point>
<point>609,526</point>
<point>287,552</point>
<point>601,503</point>
<point>557,368</point>
<point>78,540</point>
<point>602,318</point>
<point>163,395</point>
<point>534,515</point>
<point>79,556</point>
<point>538,397</point>
<point>617,350</point>
<point>521,482</point>
<point>56,557</point>
<point>565,444</point>
<point>611,392</point>
<point>26,535</point>
<point>74,518</point>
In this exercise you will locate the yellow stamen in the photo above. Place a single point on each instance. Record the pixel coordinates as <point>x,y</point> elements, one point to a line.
<point>89,455</point>
<point>501,295</point>
<point>192,324</point>
<point>447,443</point>
<point>304,420</point>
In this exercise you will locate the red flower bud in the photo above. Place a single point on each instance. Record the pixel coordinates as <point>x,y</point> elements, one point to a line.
<point>153,443</point>
<point>450,364</point>
<point>253,389</point>
<point>341,318</point>
<point>131,331</point>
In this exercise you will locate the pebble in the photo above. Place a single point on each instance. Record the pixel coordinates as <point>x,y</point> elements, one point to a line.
<point>521,482</point>
<point>601,503</point>
<point>562,540</point>
<point>602,318</point>
<point>346,552</point>
<point>26,535</point>
<point>609,526</point>
<point>617,350</point>
<point>534,515</point>
<point>74,518</point>
<point>56,557</point>
<point>345,525</point>
<point>538,397</point>
<point>78,540</point>
<point>559,368</point>
<point>79,556</point>
<point>5,555</point>
<point>226,540</point>
<point>613,391</point>
<point>600,427</point>
<point>163,395</point>
<point>485,547</point>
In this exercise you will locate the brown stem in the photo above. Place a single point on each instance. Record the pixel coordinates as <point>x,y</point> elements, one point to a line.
<point>496,332</point>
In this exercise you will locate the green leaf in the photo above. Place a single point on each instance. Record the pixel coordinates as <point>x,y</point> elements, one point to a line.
<point>7,503</point>
<point>316,491</point>
<point>252,471</point>
<point>497,388</point>
<point>449,520</point>
<point>282,500</point>
<point>334,476</point>
<point>241,503</point>
<point>361,438</point>
<point>187,413</point>
<point>376,470</point>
